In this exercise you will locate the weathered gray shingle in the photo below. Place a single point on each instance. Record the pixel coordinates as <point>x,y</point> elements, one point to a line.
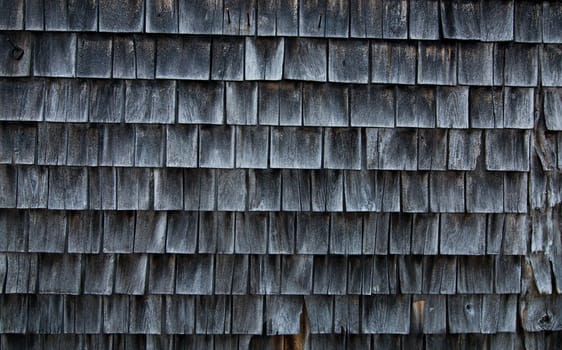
<point>183,58</point>
<point>305,59</point>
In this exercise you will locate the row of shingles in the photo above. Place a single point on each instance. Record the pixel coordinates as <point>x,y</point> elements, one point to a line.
<point>153,314</point>
<point>238,58</point>
<point>498,341</point>
<point>80,188</point>
<point>189,232</point>
<point>262,147</point>
<point>241,274</point>
<point>276,103</point>
<point>473,20</point>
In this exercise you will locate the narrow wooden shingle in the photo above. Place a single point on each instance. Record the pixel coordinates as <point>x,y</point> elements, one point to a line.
<point>508,274</point>
<point>84,231</point>
<point>21,273</point>
<point>59,273</point>
<point>423,20</point>
<point>496,23</point>
<point>49,311</point>
<point>32,187</point>
<point>116,314</point>
<point>83,145</point>
<point>486,106</point>
<point>366,19</point>
<point>118,232</point>
<point>181,232</point>
<point>68,188</point>
<point>13,233</point>
<point>47,231</point>
<point>296,147</point>
<point>9,65</point>
<point>102,192</point>
<point>239,17</point>
<point>425,234</point>
<point>216,232</point>
<point>410,269</point>
<point>464,313</point>
<point>415,192</point>
<point>296,274</point>
<point>346,233</point>
<point>134,188</point>
<point>552,13</point>
<point>521,65</point>
<point>330,275</point>
<point>216,148</point>
<point>361,192</point>
<point>83,314</point>
<point>395,19</point>
<point>281,238</point>
<point>8,186</point>
<point>150,102</point>
<point>462,234</point>
<point>199,189</point>
<point>168,189</point>
<point>107,99</point>
<point>150,232</point>
<point>386,314</point>
<point>437,64</point>
<point>93,56</point>
<point>461,19</point>
<point>134,57</point>
<point>327,190</point>
<point>452,107</point>
<point>507,150</point>
<point>400,234</point>
<point>499,313</point>
<point>393,63</point>
<point>145,314</point>
<point>21,100</point>
<point>372,105</point>
<point>280,103</point>
<point>475,275</point>
<point>149,145</point>
<point>348,61</point>
<point>264,190</point>
<point>117,145</point>
<point>263,58</point>
<point>342,148</point>
<point>124,16</point>
<point>162,16</point>
<point>476,63</point>
<point>251,233</point>
<point>55,55</point>
<point>296,187</point>
<point>247,312</point>
<point>182,143</point>
<point>551,56</point>
<point>518,108</point>
<point>527,22</point>
<point>183,58</point>
<point>484,192</point>
<point>232,190</point>
<point>432,149</point>
<point>212,314</point>
<point>305,59</point>
<point>242,103</point>
<point>392,149</point>
<point>130,274</point>
<point>464,149</point>
<point>553,109</point>
<point>227,58</point>
<point>52,144</point>
<point>312,234</point>
<point>282,314</point>
<point>232,274</point>
<point>13,14</point>
<point>18,144</point>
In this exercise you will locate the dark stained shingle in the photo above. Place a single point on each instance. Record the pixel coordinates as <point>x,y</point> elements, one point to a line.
<point>123,16</point>
<point>393,63</point>
<point>93,56</point>
<point>348,61</point>
<point>183,58</point>
<point>437,63</point>
<point>162,16</point>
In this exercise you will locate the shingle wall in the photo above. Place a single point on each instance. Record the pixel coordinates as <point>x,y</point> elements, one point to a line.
<point>195,174</point>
